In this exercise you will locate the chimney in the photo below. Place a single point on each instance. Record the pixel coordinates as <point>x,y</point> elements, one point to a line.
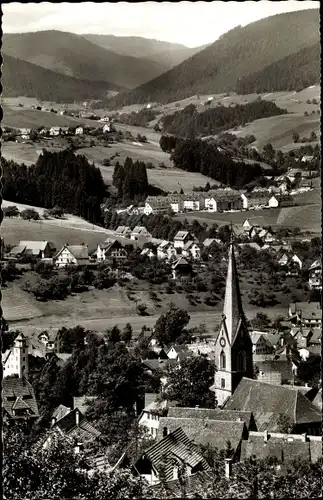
<point>53,421</point>
<point>165,431</point>
<point>265,436</point>
<point>228,467</point>
<point>77,417</point>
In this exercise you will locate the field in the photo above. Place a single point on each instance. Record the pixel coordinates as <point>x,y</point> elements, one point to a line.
<point>307,217</point>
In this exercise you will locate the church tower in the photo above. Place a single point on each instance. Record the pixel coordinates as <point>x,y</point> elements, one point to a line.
<point>15,360</point>
<point>233,347</point>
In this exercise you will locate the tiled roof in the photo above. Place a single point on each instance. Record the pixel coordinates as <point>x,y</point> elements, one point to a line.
<point>180,262</point>
<point>181,235</point>
<point>60,412</point>
<point>205,431</point>
<point>280,448</point>
<point>84,430</point>
<point>79,251</point>
<point>317,401</point>
<point>177,445</point>
<point>17,250</point>
<point>82,402</point>
<point>36,246</point>
<point>14,388</point>
<point>210,413</point>
<point>159,364</point>
<point>267,402</point>
<point>316,265</point>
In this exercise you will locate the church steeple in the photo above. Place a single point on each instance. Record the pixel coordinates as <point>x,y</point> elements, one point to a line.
<point>232,309</point>
<point>233,346</point>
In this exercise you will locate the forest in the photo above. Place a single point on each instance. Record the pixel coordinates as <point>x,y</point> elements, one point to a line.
<point>190,123</point>
<point>236,54</point>
<point>196,155</point>
<point>294,72</point>
<point>57,179</point>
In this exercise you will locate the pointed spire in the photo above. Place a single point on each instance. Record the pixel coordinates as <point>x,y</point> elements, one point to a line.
<point>232,310</point>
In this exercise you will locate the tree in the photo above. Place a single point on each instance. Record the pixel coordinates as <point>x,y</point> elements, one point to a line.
<point>127,333</point>
<point>113,335</point>
<point>29,214</point>
<point>189,383</point>
<point>142,309</point>
<point>170,325</point>
<point>260,321</point>
<point>10,211</point>
<point>295,137</point>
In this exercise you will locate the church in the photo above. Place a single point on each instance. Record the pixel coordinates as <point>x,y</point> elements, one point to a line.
<point>233,346</point>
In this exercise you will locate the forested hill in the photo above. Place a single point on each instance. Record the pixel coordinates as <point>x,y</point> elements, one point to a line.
<point>294,72</point>
<point>73,55</point>
<point>21,78</point>
<point>190,123</point>
<point>234,55</point>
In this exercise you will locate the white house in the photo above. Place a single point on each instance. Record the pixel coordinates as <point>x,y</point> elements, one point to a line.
<point>72,255</point>
<point>191,249</point>
<point>104,119</point>
<point>25,133</point>
<point>79,130</point>
<point>246,225</point>
<point>150,416</point>
<point>15,360</point>
<point>106,128</point>
<point>273,202</point>
<point>210,204</point>
<point>307,158</point>
<point>110,249</point>
<point>139,231</point>
<point>54,131</point>
<point>181,238</point>
<point>166,250</point>
<point>315,276</point>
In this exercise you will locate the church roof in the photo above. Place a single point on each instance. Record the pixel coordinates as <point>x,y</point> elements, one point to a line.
<point>232,309</point>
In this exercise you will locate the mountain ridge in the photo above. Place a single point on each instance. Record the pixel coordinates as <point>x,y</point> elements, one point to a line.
<point>73,55</point>
<point>237,53</point>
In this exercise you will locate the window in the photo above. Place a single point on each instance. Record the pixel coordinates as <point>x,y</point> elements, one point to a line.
<point>222,383</point>
<point>241,361</point>
<point>24,358</point>
<point>222,360</point>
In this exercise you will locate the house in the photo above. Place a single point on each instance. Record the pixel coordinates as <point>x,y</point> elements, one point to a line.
<point>255,230</point>
<point>159,367</point>
<point>206,431</point>
<point>181,269</point>
<point>51,340</point>
<point>274,371</point>
<point>208,242</point>
<point>246,226</point>
<point>38,249</point>
<point>54,131</point>
<point>166,250</point>
<point>181,238</point>
<point>18,400</point>
<point>105,119</point>
<point>110,249</point>
<point>179,352</point>
<point>261,344</point>
<point>149,252</point>
<point>156,205</point>
<point>140,232</point>
<point>176,202</point>
<point>255,199</point>
<point>306,158</point>
<point>308,314</point>
<point>282,200</point>
<point>64,130</point>
<point>315,276</point>
<point>193,201</point>
<point>210,203</point>
<point>303,336</point>
<point>270,403</point>
<point>191,250</point>
<point>82,402</point>
<point>15,360</point>
<point>79,130</point>
<point>221,200</point>
<point>291,260</point>
<point>267,236</point>
<point>25,133</point>
<point>106,128</point>
<point>73,424</point>
<point>281,446</point>
<point>77,255</point>
<point>150,416</point>
<point>213,414</point>
<point>123,231</point>
<point>173,451</point>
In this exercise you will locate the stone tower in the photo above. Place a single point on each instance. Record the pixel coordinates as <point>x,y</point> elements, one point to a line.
<point>233,347</point>
<point>20,357</point>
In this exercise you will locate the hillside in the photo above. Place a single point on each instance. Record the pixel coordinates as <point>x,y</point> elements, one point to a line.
<point>73,55</point>
<point>234,55</point>
<point>294,72</point>
<point>165,53</point>
<point>46,85</point>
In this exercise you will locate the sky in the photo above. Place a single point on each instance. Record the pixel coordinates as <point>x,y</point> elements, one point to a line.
<point>188,23</point>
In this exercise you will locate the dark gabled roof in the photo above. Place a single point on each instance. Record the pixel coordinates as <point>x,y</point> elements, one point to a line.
<point>267,402</point>
<point>174,445</point>
<point>159,364</point>
<point>84,430</point>
<point>18,393</point>
<point>210,414</point>
<point>280,448</point>
<point>205,431</point>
